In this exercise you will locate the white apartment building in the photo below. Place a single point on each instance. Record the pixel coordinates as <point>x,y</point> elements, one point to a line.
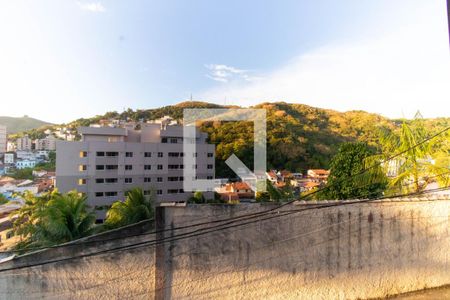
<point>9,158</point>
<point>3,139</point>
<point>26,163</point>
<point>48,143</point>
<point>24,144</point>
<point>109,161</point>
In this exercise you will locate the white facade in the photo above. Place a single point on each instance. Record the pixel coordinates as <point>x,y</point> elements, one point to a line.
<point>3,139</point>
<point>9,158</point>
<point>11,147</point>
<point>23,164</point>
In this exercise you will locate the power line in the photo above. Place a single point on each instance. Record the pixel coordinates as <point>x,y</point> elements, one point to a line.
<point>193,234</point>
<point>258,214</point>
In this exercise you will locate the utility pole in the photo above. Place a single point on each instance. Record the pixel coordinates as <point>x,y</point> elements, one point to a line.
<point>448,17</point>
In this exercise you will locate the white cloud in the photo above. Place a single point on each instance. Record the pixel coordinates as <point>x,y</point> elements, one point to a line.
<point>96,7</point>
<point>224,73</point>
<point>405,69</point>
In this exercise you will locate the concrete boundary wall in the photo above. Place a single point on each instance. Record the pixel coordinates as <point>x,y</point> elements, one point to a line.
<point>116,275</point>
<point>356,251</point>
<point>304,251</point>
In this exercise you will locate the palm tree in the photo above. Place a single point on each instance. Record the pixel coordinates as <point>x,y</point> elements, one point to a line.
<point>136,207</point>
<point>418,162</point>
<point>52,218</point>
<point>66,217</point>
<point>26,218</point>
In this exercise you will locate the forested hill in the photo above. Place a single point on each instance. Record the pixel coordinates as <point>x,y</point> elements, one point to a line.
<point>299,136</point>
<point>15,125</point>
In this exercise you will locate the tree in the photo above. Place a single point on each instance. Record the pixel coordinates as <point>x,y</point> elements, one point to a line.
<point>197,198</point>
<point>52,219</point>
<point>3,199</point>
<point>136,207</point>
<point>26,173</point>
<point>417,162</point>
<point>347,179</point>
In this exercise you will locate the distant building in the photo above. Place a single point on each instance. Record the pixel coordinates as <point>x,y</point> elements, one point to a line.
<point>10,187</point>
<point>235,191</point>
<point>48,143</point>
<point>109,161</point>
<point>26,163</point>
<point>3,139</point>
<point>318,175</point>
<point>24,144</point>
<point>11,147</point>
<point>9,158</point>
<point>272,176</point>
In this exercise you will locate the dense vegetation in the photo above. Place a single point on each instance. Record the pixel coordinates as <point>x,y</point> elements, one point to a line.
<point>136,207</point>
<point>52,218</point>
<point>354,174</point>
<point>298,136</point>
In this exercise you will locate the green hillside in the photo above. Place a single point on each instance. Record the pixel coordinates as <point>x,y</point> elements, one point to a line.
<point>16,125</point>
<point>298,136</point>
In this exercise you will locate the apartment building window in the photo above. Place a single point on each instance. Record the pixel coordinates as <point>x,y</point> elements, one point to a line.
<point>82,181</point>
<point>160,167</point>
<point>111,180</point>
<point>160,154</point>
<point>210,166</point>
<point>99,167</point>
<point>128,167</point>
<point>181,191</point>
<point>174,154</point>
<point>82,168</point>
<point>128,180</point>
<point>112,154</point>
<point>210,154</point>
<point>158,192</point>
<point>99,180</point>
<point>128,154</point>
<point>110,194</point>
<point>159,179</point>
<point>181,178</point>
<point>172,191</point>
<point>147,179</point>
<point>147,154</point>
<point>83,154</point>
<point>100,154</point>
<point>112,167</point>
<point>99,194</point>
<point>172,178</point>
<point>173,167</point>
<point>173,140</point>
<point>147,192</point>
<point>181,166</point>
<point>181,154</point>
<point>147,167</point>
<point>163,140</point>
<point>209,177</point>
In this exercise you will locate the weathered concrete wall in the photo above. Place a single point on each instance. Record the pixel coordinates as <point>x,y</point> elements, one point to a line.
<point>119,275</point>
<point>355,251</point>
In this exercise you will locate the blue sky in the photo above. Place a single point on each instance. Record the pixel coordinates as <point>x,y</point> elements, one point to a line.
<point>61,60</point>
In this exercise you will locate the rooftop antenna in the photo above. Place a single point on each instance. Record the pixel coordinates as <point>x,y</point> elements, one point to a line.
<point>191,97</point>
